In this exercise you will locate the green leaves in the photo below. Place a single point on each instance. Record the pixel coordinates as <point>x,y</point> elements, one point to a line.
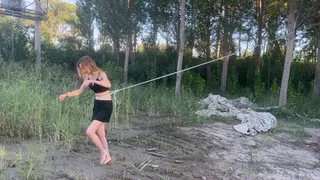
<point>13,40</point>
<point>84,23</point>
<point>59,19</point>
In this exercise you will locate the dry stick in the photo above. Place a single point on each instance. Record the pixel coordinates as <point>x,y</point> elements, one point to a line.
<point>152,149</point>
<point>157,154</point>
<point>310,119</point>
<point>268,108</point>
<point>145,165</point>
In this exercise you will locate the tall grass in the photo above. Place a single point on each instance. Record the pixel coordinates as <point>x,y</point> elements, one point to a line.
<point>157,99</point>
<point>29,106</point>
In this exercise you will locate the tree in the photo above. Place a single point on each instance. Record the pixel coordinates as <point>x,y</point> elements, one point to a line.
<point>288,59</point>
<point>260,19</point>
<point>299,13</point>
<point>226,50</point>
<point>206,12</point>
<point>110,16</point>
<point>191,20</point>
<point>13,40</point>
<point>57,23</point>
<point>135,16</point>
<point>117,20</point>
<point>181,45</point>
<point>128,40</point>
<point>317,74</point>
<point>158,15</point>
<point>85,23</point>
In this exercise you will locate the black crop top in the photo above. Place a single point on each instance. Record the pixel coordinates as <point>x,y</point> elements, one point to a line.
<point>98,88</point>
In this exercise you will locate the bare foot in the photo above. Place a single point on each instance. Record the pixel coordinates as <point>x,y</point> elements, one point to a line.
<point>107,160</point>
<point>103,156</point>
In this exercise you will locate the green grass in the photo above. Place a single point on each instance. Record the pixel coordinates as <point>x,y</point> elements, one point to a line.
<point>157,99</point>
<point>298,105</point>
<point>30,108</point>
<point>26,163</point>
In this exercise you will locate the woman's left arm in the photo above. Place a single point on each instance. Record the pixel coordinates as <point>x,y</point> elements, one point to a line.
<point>104,80</point>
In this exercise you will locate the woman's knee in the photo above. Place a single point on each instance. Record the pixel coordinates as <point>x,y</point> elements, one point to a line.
<point>101,133</point>
<point>90,132</point>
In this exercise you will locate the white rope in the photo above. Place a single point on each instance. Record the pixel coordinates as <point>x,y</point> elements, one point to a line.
<point>115,91</point>
<point>192,67</point>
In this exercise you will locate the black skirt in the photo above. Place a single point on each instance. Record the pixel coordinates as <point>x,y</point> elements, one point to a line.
<point>102,110</point>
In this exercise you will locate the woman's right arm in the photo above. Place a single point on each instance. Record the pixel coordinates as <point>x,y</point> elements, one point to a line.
<point>77,92</point>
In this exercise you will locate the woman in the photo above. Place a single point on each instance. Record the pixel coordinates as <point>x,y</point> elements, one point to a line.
<point>98,81</point>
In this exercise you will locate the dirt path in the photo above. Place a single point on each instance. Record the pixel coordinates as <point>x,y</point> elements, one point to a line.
<point>210,151</point>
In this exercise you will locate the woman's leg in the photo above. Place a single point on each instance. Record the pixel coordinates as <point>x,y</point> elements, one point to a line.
<point>91,132</point>
<point>102,136</point>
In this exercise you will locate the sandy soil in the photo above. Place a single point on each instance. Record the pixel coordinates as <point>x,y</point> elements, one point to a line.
<point>209,151</point>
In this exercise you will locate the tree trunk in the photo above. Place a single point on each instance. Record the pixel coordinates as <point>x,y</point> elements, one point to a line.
<point>220,21</point>
<point>37,40</point>
<point>127,55</point>
<point>274,45</point>
<point>131,52</point>
<point>317,75</point>
<point>208,51</point>
<point>178,29</point>
<point>314,53</point>
<point>133,59</point>
<point>218,45</point>
<point>154,49</point>
<point>288,59</point>
<point>116,44</point>
<point>259,34</point>
<point>181,46</point>
<point>226,51</point>
<point>247,46</point>
<point>126,60</point>
<point>239,44</point>
<point>240,34</point>
<point>193,24</point>
<point>38,45</point>
<point>90,42</point>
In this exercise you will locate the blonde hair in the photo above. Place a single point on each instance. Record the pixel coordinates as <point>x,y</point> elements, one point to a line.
<point>86,61</point>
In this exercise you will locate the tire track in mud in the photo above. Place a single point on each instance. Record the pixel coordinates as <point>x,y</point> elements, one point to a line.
<point>187,157</point>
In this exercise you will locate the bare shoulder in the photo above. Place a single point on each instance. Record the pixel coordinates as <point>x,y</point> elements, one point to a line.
<point>103,74</point>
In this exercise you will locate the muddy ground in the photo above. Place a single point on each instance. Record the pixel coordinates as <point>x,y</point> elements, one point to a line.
<point>207,151</point>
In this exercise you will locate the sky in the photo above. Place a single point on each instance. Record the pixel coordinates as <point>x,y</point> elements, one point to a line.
<point>71,1</point>
<point>161,38</point>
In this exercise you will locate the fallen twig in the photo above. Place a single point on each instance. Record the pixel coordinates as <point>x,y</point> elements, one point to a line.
<point>144,164</point>
<point>273,107</point>
<point>152,149</point>
<point>309,119</point>
<point>314,142</point>
<point>154,165</point>
<point>157,154</point>
<point>268,108</point>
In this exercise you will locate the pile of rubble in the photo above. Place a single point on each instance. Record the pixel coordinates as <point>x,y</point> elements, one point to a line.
<point>241,108</point>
